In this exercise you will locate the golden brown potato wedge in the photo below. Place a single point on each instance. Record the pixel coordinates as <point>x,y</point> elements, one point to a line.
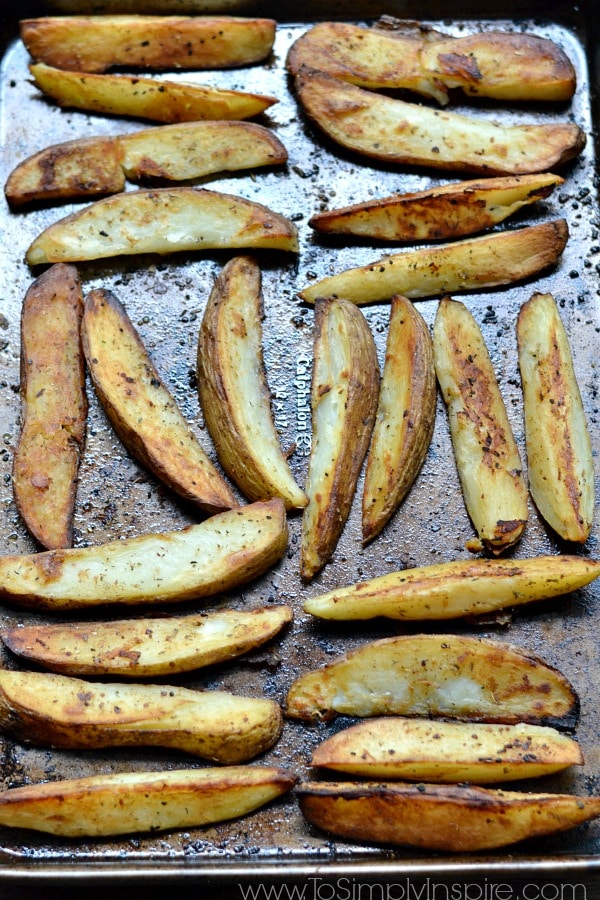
<point>495,64</point>
<point>95,43</point>
<point>142,410</point>
<point>447,752</point>
<point>143,648</point>
<point>233,387</point>
<point>82,168</point>
<point>405,417</point>
<point>440,817</point>
<point>440,213</point>
<point>559,448</point>
<point>469,678</point>
<point>146,98</point>
<point>91,166</point>
<point>344,393</point>
<point>103,805</point>
<point>54,407</point>
<point>459,588</point>
<point>503,257</point>
<point>57,711</point>
<point>487,457</point>
<point>398,132</point>
<point>167,220</point>
<point>227,550</point>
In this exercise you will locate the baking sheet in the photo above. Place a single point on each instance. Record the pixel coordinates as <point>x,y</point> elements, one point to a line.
<point>165,298</point>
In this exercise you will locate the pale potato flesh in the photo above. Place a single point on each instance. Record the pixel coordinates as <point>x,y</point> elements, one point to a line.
<point>440,817</point>
<point>233,388</point>
<point>52,710</point>
<point>559,447</point>
<point>146,98</point>
<point>459,588</point>
<point>166,220</point>
<point>440,213</point>
<point>102,805</point>
<point>495,64</point>
<point>146,647</point>
<point>95,43</point>
<point>395,131</point>
<point>487,457</point>
<point>482,262</point>
<point>221,553</point>
<point>98,165</point>
<point>343,401</point>
<point>405,417</point>
<point>141,408</point>
<point>447,752</point>
<point>53,407</point>
<point>457,677</point>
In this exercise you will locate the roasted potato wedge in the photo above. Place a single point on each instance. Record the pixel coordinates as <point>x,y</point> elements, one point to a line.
<point>233,387</point>
<point>440,817</point>
<point>492,260</point>
<point>96,43</point>
<point>447,752</point>
<point>103,805</point>
<point>440,213</point>
<point>162,221</point>
<point>344,401</point>
<point>459,588</point>
<point>53,407</point>
<point>146,98</point>
<point>469,678</point>
<point>559,448</point>
<point>91,166</point>
<point>398,132</point>
<point>227,550</point>
<point>57,711</point>
<point>143,648</point>
<point>405,417</point>
<point>82,168</point>
<point>142,410</point>
<point>495,64</point>
<point>487,457</point>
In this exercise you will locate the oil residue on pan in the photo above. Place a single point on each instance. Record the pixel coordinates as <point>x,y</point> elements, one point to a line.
<point>165,298</point>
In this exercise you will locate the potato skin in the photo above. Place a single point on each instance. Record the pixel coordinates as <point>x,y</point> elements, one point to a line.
<point>103,805</point>
<point>233,389</point>
<point>53,407</point>
<point>145,647</point>
<point>487,457</point>
<point>51,710</point>
<point>440,817</point>
<point>474,679</point>
<point>223,552</point>
<point>145,98</point>
<point>96,43</point>
<point>343,402</point>
<point>394,131</point>
<point>446,752</point>
<point>141,409</point>
<point>404,420</point>
<point>559,448</point>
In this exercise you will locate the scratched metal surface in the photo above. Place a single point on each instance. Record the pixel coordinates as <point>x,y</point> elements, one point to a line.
<point>116,498</point>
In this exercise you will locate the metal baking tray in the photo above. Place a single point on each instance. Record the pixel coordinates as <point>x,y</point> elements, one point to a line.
<point>116,498</point>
